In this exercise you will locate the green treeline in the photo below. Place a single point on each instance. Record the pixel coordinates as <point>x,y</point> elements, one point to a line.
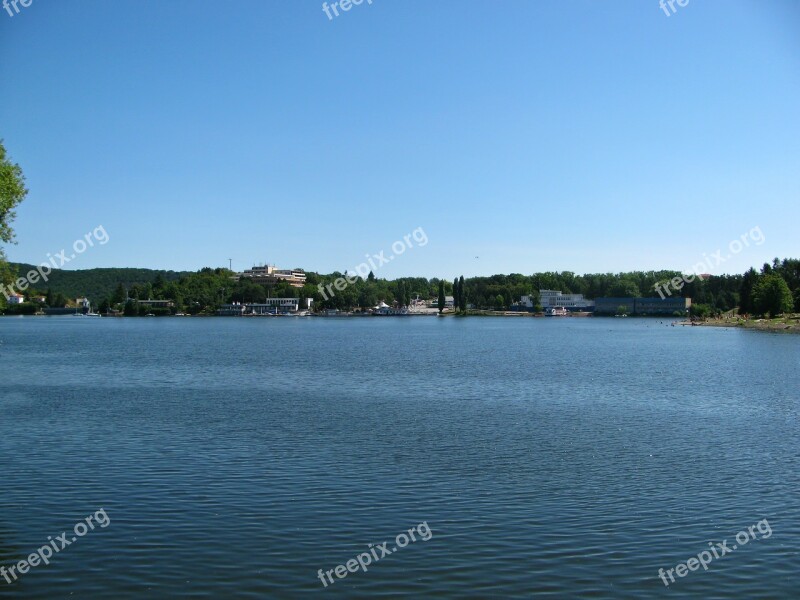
<point>774,289</point>
<point>95,284</point>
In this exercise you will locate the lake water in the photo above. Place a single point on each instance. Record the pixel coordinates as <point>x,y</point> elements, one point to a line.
<point>234,458</point>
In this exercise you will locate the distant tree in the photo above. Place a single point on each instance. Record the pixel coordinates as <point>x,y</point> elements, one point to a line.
<point>456,294</point>
<point>441,295</point>
<point>158,285</point>
<point>772,295</point>
<point>749,281</point>
<point>131,308</point>
<point>400,293</point>
<point>462,294</point>
<point>625,288</point>
<point>499,302</point>
<point>536,301</point>
<point>700,311</point>
<point>119,295</point>
<point>50,298</point>
<point>371,276</point>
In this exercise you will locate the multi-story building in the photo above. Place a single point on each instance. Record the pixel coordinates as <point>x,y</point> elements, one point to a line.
<point>613,306</point>
<point>449,302</point>
<point>157,303</point>
<point>570,302</point>
<point>270,307</point>
<point>269,275</point>
<point>642,306</point>
<point>665,306</point>
<point>554,299</point>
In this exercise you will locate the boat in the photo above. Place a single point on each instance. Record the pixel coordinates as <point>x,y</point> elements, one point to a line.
<point>556,311</point>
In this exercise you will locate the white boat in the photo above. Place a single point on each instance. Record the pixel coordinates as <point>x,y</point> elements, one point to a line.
<point>556,311</point>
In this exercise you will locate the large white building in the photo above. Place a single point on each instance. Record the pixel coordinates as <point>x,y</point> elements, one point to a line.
<point>555,299</point>
<point>271,307</point>
<point>269,275</point>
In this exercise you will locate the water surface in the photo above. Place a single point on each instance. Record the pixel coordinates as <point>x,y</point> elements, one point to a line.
<point>550,457</point>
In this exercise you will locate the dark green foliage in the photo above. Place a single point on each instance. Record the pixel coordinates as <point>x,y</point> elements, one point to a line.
<point>131,309</point>
<point>625,288</point>
<point>701,311</point>
<point>749,280</point>
<point>26,308</point>
<point>772,296</point>
<point>12,192</point>
<point>98,284</point>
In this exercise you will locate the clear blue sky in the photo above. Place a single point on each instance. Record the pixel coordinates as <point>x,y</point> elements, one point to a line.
<point>564,135</point>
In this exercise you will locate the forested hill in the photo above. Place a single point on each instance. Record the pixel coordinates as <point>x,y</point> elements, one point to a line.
<point>95,284</point>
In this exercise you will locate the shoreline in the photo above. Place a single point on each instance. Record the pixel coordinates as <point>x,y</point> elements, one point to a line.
<point>779,325</point>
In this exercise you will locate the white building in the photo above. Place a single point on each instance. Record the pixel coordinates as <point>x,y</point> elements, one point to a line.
<point>15,299</point>
<point>271,307</point>
<point>555,299</point>
<point>270,275</point>
<point>449,302</point>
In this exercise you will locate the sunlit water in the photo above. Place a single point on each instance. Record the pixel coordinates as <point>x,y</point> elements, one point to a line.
<point>550,457</point>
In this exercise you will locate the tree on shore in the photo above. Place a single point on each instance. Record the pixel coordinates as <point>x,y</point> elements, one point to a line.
<point>441,296</point>
<point>400,293</point>
<point>772,296</point>
<point>462,295</point>
<point>12,192</point>
<point>749,280</point>
<point>120,295</point>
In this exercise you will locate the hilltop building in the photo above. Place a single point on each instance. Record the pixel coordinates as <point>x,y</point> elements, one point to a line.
<point>269,275</point>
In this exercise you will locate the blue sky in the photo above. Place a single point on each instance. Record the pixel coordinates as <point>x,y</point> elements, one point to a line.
<point>586,136</point>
